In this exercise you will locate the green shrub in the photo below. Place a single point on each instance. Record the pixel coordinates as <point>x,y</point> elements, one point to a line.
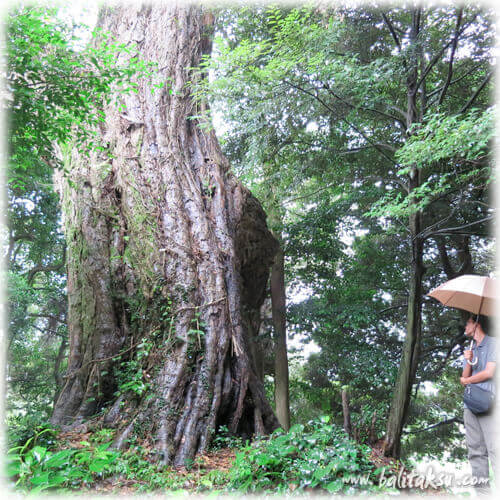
<point>317,456</point>
<point>224,439</point>
<point>22,428</point>
<point>34,468</point>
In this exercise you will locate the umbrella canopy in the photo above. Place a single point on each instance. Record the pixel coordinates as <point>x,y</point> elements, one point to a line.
<point>476,294</point>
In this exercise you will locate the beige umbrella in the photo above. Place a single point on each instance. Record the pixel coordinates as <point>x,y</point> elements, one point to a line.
<point>473,293</point>
<point>476,294</point>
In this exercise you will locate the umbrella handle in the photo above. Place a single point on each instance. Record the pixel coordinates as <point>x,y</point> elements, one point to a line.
<point>472,362</point>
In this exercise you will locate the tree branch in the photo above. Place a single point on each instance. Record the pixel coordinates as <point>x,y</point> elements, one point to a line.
<point>364,108</point>
<point>398,306</point>
<point>340,152</point>
<point>315,96</point>
<point>452,55</point>
<point>444,422</point>
<point>476,93</point>
<point>48,316</point>
<point>295,198</point>
<point>436,58</point>
<point>461,77</point>
<point>404,114</point>
<point>457,340</point>
<point>51,267</point>
<point>393,32</point>
<point>445,259</point>
<point>447,217</point>
<point>455,230</point>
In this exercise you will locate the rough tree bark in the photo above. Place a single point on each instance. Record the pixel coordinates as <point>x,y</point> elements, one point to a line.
<point>168,259</point>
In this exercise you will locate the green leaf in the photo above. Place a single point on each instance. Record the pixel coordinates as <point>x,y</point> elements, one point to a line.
<point>59,458</point>
<point>38,453</point>
<point>334,486</point>
<point>42,478</point>
<point>13,468</point>
<point>97,465</point>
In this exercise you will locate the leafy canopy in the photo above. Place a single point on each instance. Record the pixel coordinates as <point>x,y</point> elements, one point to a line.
<point>57,90</point>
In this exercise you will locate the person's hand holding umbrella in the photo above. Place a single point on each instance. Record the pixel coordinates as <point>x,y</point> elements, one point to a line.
<point>476,294</point>
<point>468,355</point>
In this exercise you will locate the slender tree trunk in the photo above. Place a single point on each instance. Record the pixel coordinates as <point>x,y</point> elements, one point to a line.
<point>168,258</point>
<point>372,435</point>
<point>278,309</point>
<point>281,382</point>
<point>411,346</point>
<point>346,412</point>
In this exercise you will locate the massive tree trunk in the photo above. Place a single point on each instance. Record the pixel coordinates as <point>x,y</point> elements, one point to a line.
<point>168,259</point>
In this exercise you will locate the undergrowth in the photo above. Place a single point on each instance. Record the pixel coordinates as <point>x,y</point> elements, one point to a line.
<point>314,457</point>
<point>41,465</point>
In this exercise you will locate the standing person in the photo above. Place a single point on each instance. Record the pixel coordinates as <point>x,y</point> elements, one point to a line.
<point>480,432</point>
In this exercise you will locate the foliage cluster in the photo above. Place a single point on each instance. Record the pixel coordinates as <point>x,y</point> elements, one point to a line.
<point>36,468</point>
<point>58,88</point>
<point>317,456</point>
<point>424,436</point>
<point>225,439</point>
<point>452,151</point>
<point>44,463</point>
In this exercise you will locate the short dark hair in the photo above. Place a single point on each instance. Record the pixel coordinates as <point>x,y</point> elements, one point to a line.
<point>483,320</point>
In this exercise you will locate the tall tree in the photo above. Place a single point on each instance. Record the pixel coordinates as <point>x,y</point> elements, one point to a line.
<point>339,94</point>
<point>278,301</point>
<point>419,84</point>
<point>168,257</point>
<point>411,347</point>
